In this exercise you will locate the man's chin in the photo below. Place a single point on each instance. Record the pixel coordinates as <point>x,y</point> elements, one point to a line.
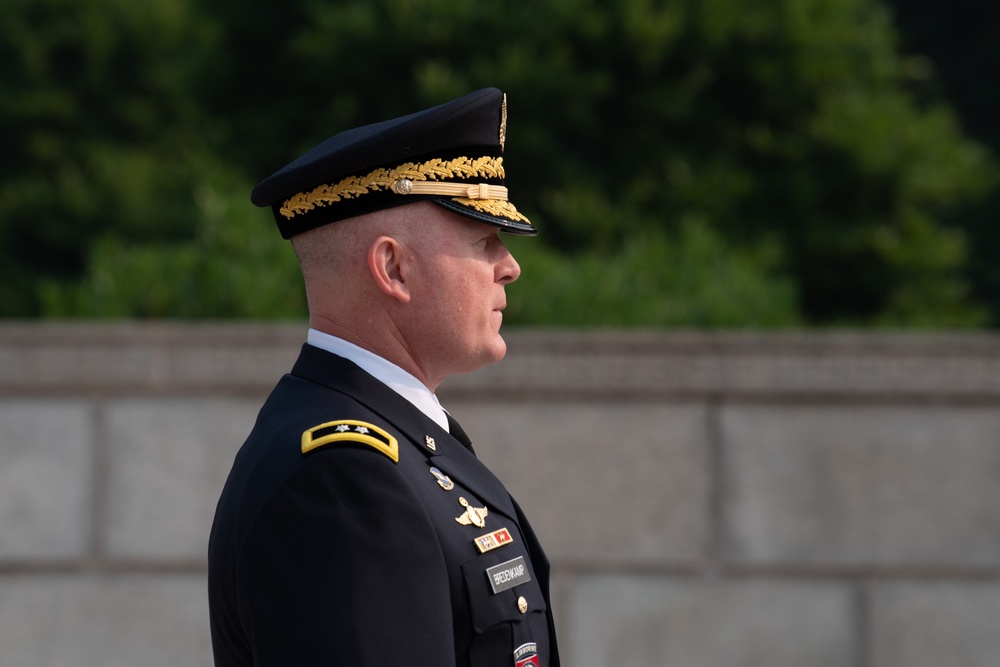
<point>490,354</point>
<point>500,348</point>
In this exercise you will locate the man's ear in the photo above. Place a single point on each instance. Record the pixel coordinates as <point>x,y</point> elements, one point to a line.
<point>386,264</point>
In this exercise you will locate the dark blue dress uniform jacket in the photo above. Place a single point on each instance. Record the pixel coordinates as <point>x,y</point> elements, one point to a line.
<point>342,556</point>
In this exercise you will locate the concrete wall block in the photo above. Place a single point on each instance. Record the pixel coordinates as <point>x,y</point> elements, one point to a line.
<point>54,364</point>
<point>601,482</point>
<point>45,479</point>
<point>103,621</point>
<point>862,486</point>
<point>635,621</point>
<point>169,460</point>
<point>232,365</point>
<point>931,624</point>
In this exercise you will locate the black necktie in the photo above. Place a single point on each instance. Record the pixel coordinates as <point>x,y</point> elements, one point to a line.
<point>458,433</point>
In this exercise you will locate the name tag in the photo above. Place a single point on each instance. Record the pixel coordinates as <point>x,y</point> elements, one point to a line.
<point>507,575</point>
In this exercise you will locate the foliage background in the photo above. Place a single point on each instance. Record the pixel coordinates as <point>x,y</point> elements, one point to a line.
<point>710,163</point>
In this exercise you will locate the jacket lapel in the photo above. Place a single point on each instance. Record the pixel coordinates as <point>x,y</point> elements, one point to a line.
<point>448,454</point>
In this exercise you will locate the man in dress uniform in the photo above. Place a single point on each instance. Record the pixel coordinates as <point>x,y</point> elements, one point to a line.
<point>357,526</point>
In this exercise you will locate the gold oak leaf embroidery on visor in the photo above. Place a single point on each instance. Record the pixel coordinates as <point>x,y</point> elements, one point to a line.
<point>498,207</point>
<point>382,179</point>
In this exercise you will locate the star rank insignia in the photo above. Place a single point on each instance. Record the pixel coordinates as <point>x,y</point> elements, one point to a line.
<point>473,516</point>
<point>350,431</point>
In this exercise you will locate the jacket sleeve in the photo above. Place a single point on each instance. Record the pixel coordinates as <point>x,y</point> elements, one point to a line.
<point>342,566</point>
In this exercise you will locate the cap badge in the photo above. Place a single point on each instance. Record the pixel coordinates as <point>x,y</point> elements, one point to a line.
<point>473,516</point>
<point>503,121</point>
<point>443,480</point>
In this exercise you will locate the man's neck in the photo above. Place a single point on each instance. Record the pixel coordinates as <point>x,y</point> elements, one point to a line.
<point>385,371</point>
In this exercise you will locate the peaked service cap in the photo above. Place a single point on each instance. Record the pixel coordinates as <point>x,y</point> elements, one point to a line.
<point>451,154</point>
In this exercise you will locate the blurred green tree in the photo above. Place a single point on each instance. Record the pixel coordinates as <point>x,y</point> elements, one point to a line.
<point>98,135</point>
<point>710,163</point>
<point>953,54</point>
<point>231,268</point>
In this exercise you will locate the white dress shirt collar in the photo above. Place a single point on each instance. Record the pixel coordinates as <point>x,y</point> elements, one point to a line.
<point>386,372</point>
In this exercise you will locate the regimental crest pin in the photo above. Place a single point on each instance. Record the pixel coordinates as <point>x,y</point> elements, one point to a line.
<point>473,516</point>
<point>443,480</point>
<point>431,445</point>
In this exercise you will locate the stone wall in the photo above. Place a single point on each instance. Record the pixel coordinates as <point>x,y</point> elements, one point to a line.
<point>708,500</point>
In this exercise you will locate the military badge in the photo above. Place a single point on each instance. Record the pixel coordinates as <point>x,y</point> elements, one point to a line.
<point>350,431</point>
<point>503,122</point>
<point>473,516</point>
<point>494,540</point>
<point>526,655</point>
<point>443,480</point>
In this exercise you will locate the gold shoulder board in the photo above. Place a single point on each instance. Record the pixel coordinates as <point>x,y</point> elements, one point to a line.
<point>350,430</point>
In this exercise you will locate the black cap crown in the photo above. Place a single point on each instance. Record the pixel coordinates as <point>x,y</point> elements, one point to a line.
<point>451,154</point>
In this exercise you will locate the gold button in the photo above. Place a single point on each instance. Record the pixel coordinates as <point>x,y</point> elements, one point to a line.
<point>522,605</point>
